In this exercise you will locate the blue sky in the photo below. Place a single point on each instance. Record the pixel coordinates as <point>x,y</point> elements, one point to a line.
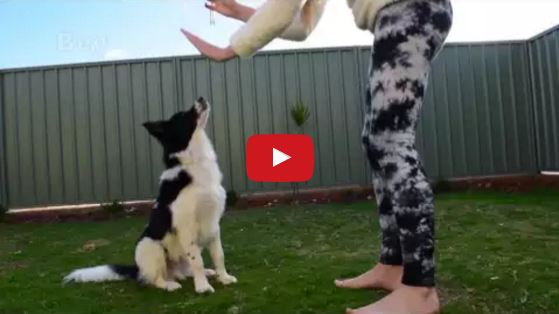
<point>44,32</point>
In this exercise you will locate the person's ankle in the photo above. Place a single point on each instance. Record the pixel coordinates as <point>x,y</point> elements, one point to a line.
<point>391,266</point>
<point>423,290</point>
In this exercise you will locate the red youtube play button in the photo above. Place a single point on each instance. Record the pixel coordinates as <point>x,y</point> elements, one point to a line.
<point>280,158</point>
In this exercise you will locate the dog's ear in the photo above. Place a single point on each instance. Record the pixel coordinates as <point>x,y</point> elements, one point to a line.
<point>157,129</point>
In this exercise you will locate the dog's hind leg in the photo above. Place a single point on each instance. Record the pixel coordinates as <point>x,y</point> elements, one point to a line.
<point>152,263</point>
<point>177,265</point>
<point>178,270</point>
<point>216,252</point>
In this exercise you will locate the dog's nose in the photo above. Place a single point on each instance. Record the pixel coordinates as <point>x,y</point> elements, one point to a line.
<point>202,104</point>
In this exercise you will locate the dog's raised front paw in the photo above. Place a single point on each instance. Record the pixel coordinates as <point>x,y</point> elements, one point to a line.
<point>226,279</point>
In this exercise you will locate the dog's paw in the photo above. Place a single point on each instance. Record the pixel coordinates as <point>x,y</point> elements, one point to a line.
<point>226,279</point>
<point>172,286</point>
<point>181,276</point>
<point>204,288</point>
<point>210,272</point>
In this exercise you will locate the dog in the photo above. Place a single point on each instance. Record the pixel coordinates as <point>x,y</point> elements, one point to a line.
<point>185,218</point>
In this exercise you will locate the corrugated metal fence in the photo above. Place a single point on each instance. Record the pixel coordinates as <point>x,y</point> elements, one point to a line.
<point>73,133</point>
<point>544,64</point>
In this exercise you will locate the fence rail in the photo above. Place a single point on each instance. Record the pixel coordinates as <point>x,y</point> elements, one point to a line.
<point>72,134</point>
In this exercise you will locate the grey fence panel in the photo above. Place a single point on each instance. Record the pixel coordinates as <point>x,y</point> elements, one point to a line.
<point>476,116</point>
<point>254,97</point>
<point>544,52</point>
<point>11,136</point>
<point>74,133</point>
<point>3,181</point>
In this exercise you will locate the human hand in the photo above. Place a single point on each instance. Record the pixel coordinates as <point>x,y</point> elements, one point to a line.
<point>211,51</point>
<point>229,8</point>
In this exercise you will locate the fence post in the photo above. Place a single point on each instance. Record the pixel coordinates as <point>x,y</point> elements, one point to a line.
<point>3,180</point>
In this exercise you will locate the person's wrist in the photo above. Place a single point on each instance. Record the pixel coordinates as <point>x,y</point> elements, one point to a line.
<point>235,10</point>
<point>242,13</point>
<point>227,53</point>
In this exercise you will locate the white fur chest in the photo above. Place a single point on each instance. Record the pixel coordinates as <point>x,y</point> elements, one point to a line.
<point>199,209</point>
<point>201,204</point>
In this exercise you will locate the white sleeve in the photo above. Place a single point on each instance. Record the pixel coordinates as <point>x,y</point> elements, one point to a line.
<point>299,30</point>
<point>267,23</point>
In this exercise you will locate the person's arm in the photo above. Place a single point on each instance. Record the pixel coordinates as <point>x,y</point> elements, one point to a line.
<point>306,21</point>
<point>299,29</point>
<point>276,18</point>
<point>267,23</point>
<point>230,8</point>
<point>209,50</point>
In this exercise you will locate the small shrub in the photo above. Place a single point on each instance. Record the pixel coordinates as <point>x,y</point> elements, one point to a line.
<point>113,208</point>
<point>232,198</point>
<point>300,113</point>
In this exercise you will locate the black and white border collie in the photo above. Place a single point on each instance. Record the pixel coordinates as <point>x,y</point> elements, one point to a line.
<point>185,218</point>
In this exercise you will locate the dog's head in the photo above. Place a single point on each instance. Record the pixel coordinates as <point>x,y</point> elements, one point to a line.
<point>175,134</point>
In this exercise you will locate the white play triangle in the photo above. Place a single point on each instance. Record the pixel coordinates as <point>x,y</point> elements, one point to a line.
<point>279,157</point>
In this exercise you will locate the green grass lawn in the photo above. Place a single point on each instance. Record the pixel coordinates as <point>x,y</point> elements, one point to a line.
<point>497,253</point>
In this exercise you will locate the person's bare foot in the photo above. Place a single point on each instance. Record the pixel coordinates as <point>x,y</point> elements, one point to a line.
<point>387,277</point>
<point>404,300</point>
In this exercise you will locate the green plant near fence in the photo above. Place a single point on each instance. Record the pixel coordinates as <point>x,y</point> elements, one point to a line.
<point>300,114</point>
<point>113,208</point>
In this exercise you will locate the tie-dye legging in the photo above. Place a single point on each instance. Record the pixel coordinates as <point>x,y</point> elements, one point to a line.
<point>408,36</point>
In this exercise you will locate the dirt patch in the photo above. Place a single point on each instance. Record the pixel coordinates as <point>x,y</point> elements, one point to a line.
<point>92,245</point>
<point>11,266</point>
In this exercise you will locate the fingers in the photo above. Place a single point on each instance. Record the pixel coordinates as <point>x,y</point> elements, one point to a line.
<point>200,44</point>
<point>207,49</point>
<point>191,37</point>
<point>211,5</point>
<point>187,33</point>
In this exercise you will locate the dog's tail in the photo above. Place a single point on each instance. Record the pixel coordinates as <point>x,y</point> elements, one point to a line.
<point>103,273</point>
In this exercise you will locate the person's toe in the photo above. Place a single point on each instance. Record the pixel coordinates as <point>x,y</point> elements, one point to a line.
<point>340,282</point>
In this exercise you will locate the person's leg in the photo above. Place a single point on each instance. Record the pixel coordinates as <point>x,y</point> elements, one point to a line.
<point>387,273</point>
<point>408,36</point>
